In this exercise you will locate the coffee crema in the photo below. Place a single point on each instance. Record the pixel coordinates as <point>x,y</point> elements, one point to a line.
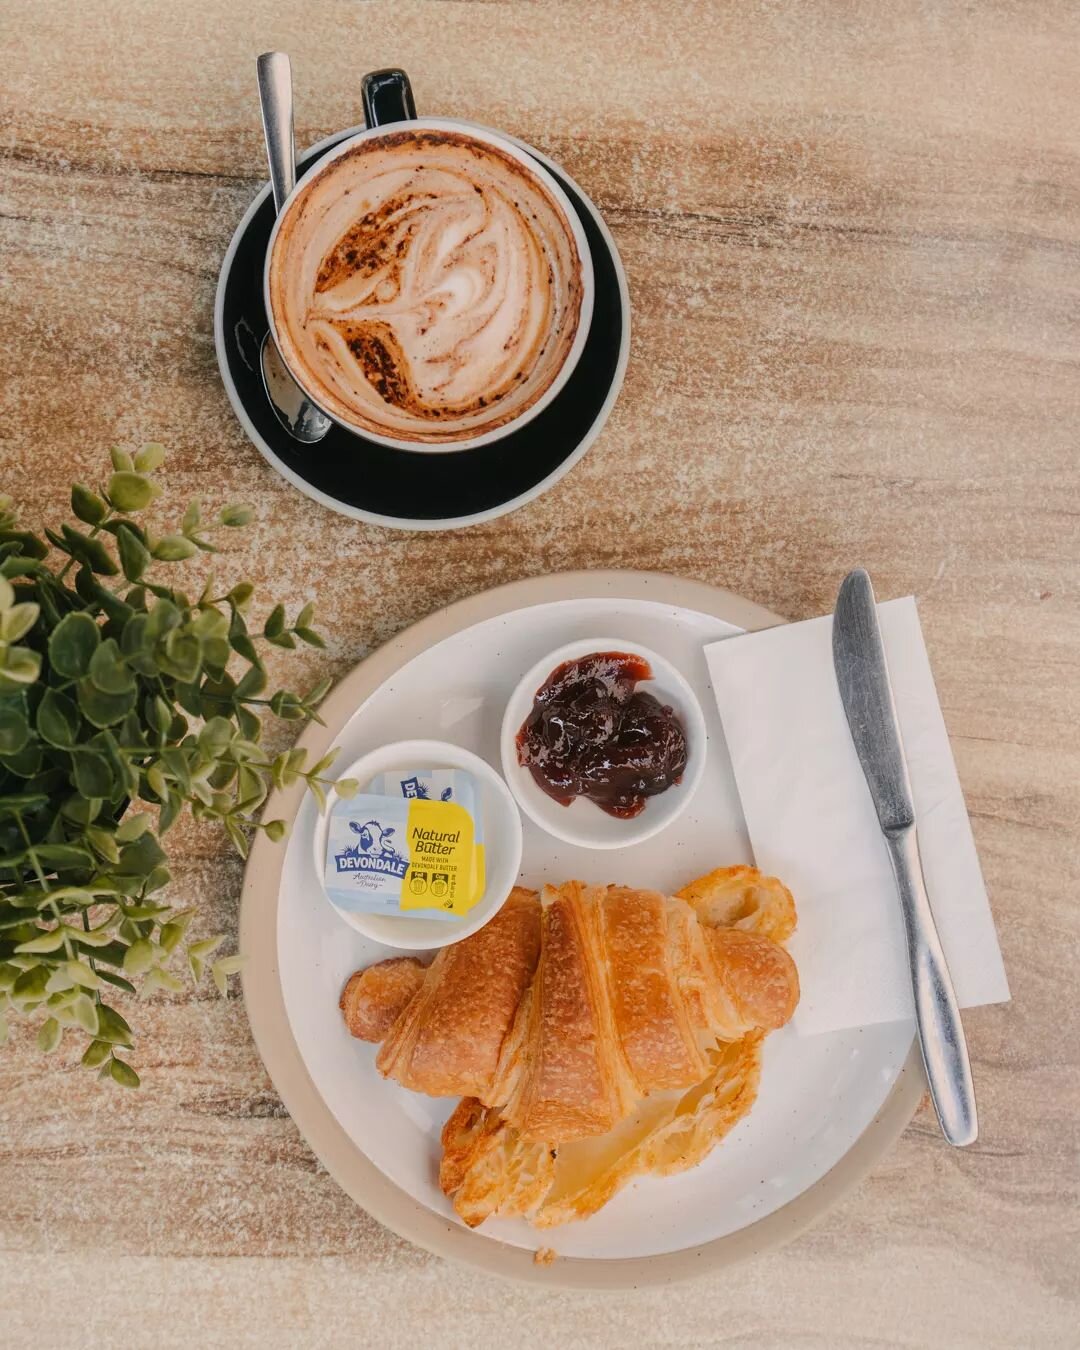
<point>425,286</point>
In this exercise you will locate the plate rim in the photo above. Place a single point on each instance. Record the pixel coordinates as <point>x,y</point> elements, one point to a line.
<point>405,523</point>
<point>353,1171</point>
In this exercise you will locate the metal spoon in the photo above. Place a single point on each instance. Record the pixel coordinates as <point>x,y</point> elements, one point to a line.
<point>294,410</point>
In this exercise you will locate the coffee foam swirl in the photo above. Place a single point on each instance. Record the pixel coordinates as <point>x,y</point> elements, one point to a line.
<point>426,286</point>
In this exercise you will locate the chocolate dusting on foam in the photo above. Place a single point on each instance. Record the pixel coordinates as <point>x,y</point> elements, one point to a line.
<point>370,265</point>
<point>376,241</point>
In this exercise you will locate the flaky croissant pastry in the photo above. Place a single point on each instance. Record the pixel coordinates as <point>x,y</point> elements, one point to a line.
<point>595,1033</point>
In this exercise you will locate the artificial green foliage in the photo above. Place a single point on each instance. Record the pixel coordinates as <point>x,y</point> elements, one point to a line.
<point>123,700</point>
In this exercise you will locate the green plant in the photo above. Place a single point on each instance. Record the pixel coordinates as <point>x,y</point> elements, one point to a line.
<point>117,689</point>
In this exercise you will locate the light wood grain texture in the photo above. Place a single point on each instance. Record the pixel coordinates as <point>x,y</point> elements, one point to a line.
<point>853,240</point>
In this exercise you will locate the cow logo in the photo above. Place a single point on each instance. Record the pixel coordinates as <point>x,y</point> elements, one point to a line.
<point>373,851</point>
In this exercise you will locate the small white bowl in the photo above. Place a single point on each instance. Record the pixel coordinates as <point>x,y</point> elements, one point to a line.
<point>583,822</point>
<point>502,844</point>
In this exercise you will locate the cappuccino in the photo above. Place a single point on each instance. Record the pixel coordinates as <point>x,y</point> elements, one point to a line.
<point>426,286</point>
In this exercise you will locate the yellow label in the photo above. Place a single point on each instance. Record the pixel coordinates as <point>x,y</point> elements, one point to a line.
<point>446,865</point>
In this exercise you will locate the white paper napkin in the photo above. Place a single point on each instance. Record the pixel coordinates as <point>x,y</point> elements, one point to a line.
<point>812,823</point>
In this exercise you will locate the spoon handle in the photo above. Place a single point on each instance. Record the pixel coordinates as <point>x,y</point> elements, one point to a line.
<point>276,101</point>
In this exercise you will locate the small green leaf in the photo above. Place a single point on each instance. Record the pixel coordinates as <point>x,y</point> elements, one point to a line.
<point>14,725</point>
<point>241,594</point>
<point>59,982</point>
<point>228,965</point>
<point>123,1073</point>
<point>170,935</point>
<point>252,684</point>
<point>180,656</point>
<point>121,459</point>
<point>139,958</point>
<point>92,773</point>
<point>103,843</point>
<point>237,515</point>
<point>192,518</point>
<point>236,834</point>
<point>19,666</point>
<point>275,830</point>
<point>309,636</point>
<point>29,988</point>
<point>47,942</point>
<point>174,548</point>
<point>275,623</point>
<point>286,706</point>
<point>85,1010</point>
<point>131,827</point>
<point>72,645</point>
<point>80,810</point>
<point>83,975</point>
<point>347,787</point>
<point>108,670</point>
<point>17,621</point>
<point>134,555</point>
<point>142,856</point>
<point>63,857</point>
<point>118,980</point>
<point>58,720</point>
<point>95,938</point>
<point>205,947</point>
<point>104,710</point>
<point>129,491</point>
<point>150,457</point>
<point>91,552</point>
<point>87,505</point>
<point>96,1053</point>
<point>216,736</point>
<point>48,1037</point>
<point>7,594</point>
<point>159,978</point>
<point>112,1027</point>
<point>26,763</point>
<point>317,693</point>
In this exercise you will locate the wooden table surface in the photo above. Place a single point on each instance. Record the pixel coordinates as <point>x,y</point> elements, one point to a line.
<point>852,238</point>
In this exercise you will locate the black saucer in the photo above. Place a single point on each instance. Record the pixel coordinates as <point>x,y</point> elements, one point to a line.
<point>402,488</point>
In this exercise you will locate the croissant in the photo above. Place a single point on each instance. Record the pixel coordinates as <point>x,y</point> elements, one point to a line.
<point>564,1014</point>
<point>594,1034</point>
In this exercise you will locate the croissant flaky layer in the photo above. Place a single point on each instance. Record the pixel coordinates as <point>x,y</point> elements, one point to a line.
<point>594,1033</point>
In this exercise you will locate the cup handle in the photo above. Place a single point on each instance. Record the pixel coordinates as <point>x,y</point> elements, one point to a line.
<point>388,97</point>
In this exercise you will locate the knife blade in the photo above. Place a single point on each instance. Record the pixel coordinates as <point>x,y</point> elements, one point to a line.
<point>862,676</point>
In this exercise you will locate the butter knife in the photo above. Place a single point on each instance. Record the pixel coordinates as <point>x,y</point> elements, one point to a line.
<point>862,674</point>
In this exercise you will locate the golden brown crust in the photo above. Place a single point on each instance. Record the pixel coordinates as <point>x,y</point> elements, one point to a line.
<point>577,1083</point>
<point>448,1040</point>
<point>373,999</point>
<point>488,1168</point>
<point>758,976</point>
<point>742,897</point>
<point>652,1022</point>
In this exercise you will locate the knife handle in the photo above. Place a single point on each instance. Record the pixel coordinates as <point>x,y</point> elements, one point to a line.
<point>941,1033</point>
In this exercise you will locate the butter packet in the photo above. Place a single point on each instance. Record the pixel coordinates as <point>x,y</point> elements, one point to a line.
<point>414,850</point>
<point>442,785</point>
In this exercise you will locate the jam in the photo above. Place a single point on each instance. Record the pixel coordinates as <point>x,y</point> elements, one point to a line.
<point>592,734</point>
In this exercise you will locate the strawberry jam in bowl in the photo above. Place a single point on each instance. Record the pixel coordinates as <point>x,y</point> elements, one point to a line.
<point>592,733</point>
<point>603,742</point>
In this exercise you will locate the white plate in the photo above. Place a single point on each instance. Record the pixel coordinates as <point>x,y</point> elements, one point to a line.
<point>583,822</point>
<point>824,1101</point>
